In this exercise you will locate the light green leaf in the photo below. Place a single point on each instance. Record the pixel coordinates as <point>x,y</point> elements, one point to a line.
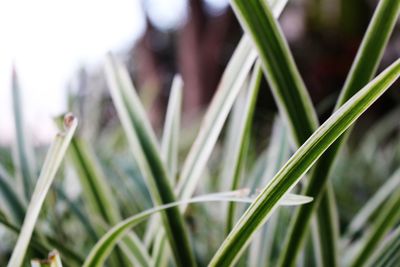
<point>299,164</point>
<point>170,139</point>
<point>51,164</point>
<point>24,158</point>
<point>241,139</point>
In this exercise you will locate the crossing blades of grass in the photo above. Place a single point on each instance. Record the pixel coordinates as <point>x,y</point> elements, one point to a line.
<point>362,71</point>
<point>148,158</point>
<point>299,164</point>
<point>48,172</point>
<point>105,245</point>
<point>230,84</point>
<point>281,72</point>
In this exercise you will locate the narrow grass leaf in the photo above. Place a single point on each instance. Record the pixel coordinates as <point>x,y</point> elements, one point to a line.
<point>299,164</point>
<point>49,170</point>
<point>170,138</point>
<point>147,155</point>
<point>24,157</point>
<point>240,144</point>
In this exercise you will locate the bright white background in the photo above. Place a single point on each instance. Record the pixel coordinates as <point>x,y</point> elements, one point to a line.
<point>48,40</point>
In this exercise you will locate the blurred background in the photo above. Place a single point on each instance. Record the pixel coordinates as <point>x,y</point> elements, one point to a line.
<point>58,47</point>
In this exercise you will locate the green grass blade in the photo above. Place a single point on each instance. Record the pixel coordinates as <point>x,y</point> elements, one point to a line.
<point>96,191</point>
<point>10,199</point>
<point>371,49</point>
<point>170,139</point>
<point>137,254</point>
<point>387,252</point>
<point>362,71</point>
<point>280,70</point>
<point>104,246</point>
<point>25,162</point>
<point>144,146</point>
<point>388,217</point>
<point>240,144</point>
<point>50,167</point>
<point>374,204</point>
<point>169,150</point>
<point>299,164</point>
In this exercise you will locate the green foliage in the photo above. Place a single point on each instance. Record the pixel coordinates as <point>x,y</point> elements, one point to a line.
<point>112,181</point>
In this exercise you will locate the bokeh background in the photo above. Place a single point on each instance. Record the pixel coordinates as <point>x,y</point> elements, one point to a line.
<point>58,48</point>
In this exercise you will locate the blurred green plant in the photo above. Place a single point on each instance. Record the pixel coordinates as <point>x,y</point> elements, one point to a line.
<point>114,182</point>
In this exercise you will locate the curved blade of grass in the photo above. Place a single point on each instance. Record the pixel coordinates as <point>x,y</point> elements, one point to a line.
<point>240,144</point>
<point>24,158</point>
<point>10,198</point>
<point>299,164</point>
<point>389,251</point>
<point>389,216</point>
<point>50,167</point>
<point>104,246</point>
<point>372,206</point>
<point>145,149</point>
<point>363,69</point>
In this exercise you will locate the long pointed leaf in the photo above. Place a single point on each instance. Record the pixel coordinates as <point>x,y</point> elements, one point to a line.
<point>299,164</point>
<point>144,146</point>
<point>49,170</point>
